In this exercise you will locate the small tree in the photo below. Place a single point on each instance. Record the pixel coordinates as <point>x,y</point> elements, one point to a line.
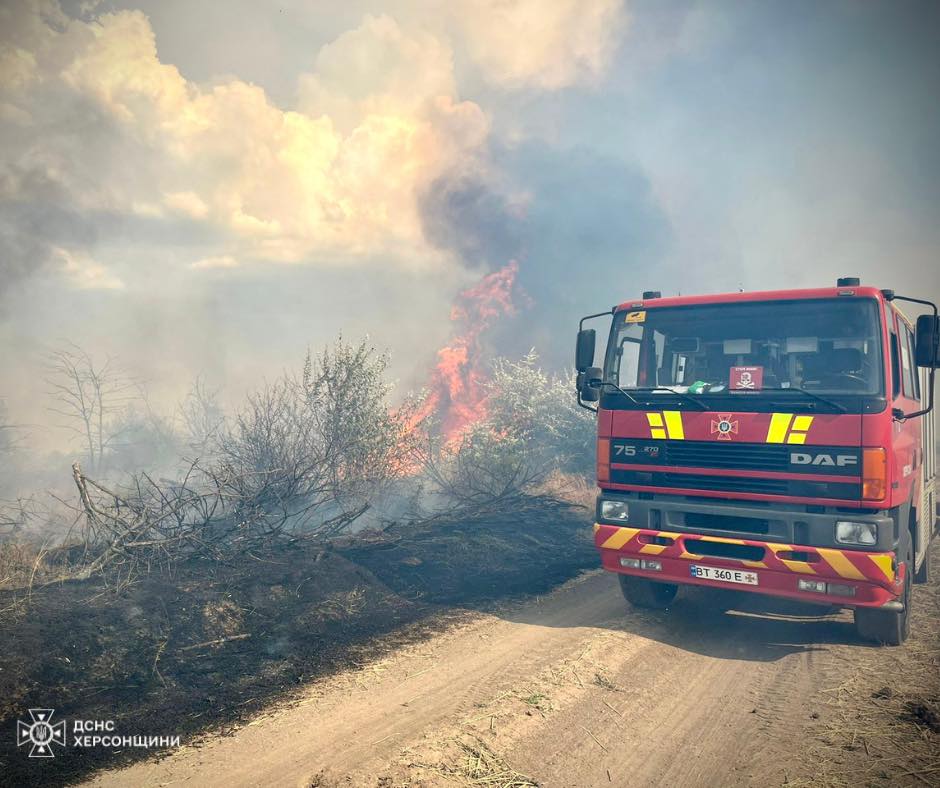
<point>88,394</point>
<point>311,452</point>
<point>202,417</point>
<point>9,432</point>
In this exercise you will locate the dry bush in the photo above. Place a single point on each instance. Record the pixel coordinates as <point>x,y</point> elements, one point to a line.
<point>535,446</point>
<point>305,458</point>
<point>308,455</point>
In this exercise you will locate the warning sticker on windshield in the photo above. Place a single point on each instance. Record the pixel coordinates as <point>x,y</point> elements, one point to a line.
<point>746,378</point>
<point>635,317</point>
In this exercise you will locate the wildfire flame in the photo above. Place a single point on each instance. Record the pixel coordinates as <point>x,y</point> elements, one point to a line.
<point>457,381</point>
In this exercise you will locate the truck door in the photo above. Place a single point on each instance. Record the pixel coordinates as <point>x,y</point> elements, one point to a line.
<point>908,447</point>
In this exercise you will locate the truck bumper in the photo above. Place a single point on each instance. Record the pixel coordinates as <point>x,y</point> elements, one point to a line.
<point>847,578</point>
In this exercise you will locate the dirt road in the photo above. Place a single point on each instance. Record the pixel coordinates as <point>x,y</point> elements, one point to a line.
<point>572,689</point>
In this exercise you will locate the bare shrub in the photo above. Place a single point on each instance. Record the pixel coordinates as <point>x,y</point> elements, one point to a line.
<point>10,434</point>
<point>87,395</point>
<point>304,458</point>
<point>315,450</point>
<point>202,417</point>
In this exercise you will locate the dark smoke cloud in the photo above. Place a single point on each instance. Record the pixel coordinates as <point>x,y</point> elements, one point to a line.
<point>36,216</point>
<point>589,235</point>
<point>463,213</point>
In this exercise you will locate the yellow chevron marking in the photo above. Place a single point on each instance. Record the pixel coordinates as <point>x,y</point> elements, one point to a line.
<point>653,549</point>
<point>619,538</point>
<point>596,527</point>
<point>802,423</point>
<point>777,431</point>
<point>885,564</point>
<point>655,419</point>
<point>755,564</point>
<point>794,566</point>
<point>799,566</point>
<point>674,424</point>
<point>838,561</point>
<point>720,539</point>
<point>658,434</point>
<point>687,554</point>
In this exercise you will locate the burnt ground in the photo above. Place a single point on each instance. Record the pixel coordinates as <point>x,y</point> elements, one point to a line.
<point>207,647</point>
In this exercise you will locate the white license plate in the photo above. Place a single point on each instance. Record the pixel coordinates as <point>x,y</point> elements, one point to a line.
<point>724,575</point>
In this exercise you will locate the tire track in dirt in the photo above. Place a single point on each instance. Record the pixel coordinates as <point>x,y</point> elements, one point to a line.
<point>572,689</point>
<point>359,729</point>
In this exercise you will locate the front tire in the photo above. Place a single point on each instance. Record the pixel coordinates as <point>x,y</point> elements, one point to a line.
<point>640,592</point>
<point>886,626</point>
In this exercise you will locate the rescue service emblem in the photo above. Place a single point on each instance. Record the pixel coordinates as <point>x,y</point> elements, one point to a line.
<point>724,427</point>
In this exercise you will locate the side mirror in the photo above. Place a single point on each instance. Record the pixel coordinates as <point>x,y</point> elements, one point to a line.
<point>584,353</point>
<point>926,341</point>
<point>591,382</point>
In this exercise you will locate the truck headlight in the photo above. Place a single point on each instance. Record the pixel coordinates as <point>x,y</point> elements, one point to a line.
<point>615,510</point>
<point>848,532</point>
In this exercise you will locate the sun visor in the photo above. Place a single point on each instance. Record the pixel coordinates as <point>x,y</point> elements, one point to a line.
<point>735,347</point>
<point>802,345</point>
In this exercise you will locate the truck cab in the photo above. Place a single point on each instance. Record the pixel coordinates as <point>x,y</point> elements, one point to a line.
<point>779,443</point>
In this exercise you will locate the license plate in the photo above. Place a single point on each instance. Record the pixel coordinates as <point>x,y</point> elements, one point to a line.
<point>724,575</point>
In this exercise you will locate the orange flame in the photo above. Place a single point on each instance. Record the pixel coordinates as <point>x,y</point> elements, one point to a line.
<point>457,382</point>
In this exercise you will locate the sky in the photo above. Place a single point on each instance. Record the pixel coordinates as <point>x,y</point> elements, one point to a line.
<point>210,188</point>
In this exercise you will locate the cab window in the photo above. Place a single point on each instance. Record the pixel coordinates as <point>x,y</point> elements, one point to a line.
<point>911,378</point>
<point>895,367</point>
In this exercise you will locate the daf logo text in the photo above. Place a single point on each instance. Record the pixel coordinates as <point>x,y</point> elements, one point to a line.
<point>828,460</point>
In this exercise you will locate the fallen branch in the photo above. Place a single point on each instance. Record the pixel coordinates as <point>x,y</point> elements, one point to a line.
<point>218,642</point>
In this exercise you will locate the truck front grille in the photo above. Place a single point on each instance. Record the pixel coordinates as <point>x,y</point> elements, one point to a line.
<point>714,454</point>
<point>801,488</point>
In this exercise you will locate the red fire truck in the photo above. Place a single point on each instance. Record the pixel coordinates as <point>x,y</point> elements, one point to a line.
<point>779,443</point>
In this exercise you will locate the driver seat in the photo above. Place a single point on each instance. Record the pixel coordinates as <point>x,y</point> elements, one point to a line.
<point>844,362</point>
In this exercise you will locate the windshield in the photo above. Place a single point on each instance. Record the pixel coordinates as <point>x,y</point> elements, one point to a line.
<point>829,346</point>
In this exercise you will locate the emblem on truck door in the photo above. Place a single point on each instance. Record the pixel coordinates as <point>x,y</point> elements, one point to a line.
<point>724,427</point>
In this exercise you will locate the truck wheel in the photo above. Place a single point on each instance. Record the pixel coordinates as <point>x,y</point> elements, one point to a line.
<point>886,626</point>
<point>640,592</point>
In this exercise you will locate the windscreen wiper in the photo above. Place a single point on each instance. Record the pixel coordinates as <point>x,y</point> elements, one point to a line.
<point>810,394</point>
<point>697,402</point>
<point>617,388</point>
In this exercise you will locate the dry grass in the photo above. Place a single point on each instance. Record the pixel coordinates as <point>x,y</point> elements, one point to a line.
<point>574,488</point>
<point>470,761</point>
<point>16,562</point>
<point>881,723</point>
